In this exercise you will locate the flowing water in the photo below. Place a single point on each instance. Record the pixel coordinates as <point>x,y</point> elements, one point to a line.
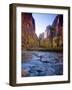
<point>38,63</point>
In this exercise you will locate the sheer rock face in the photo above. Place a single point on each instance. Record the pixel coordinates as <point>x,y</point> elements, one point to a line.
<point>29,38</point>
<point>58,25</point>
<point>49,32</point>
<point>28,22</point>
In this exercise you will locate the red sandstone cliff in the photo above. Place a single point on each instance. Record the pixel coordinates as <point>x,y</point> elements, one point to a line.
<point>29,37</point>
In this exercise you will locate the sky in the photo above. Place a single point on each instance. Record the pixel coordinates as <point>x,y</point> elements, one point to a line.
<point>42,21</point>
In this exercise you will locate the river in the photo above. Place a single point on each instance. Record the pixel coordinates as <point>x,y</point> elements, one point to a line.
<point>38,63</point>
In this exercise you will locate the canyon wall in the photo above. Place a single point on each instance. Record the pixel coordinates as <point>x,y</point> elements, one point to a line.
<point>29,38</point>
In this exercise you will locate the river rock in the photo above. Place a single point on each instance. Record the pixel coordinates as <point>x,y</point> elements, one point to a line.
<point>25,73</point>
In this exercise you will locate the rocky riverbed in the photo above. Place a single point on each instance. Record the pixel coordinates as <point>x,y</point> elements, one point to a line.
<point>38,63</point>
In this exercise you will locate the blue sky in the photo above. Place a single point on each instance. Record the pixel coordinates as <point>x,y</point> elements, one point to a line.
<point>42,20</point>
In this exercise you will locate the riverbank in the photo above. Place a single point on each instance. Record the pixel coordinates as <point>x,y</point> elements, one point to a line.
<point>46,49</point>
